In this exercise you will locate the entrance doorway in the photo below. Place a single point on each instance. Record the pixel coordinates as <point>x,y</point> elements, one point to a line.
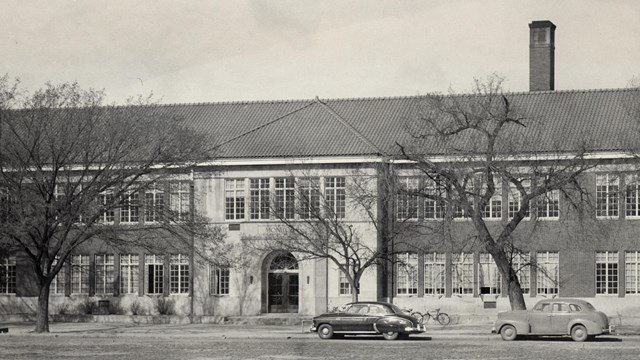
<point>283,284</point>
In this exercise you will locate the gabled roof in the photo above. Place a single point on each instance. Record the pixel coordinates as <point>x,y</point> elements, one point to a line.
<point>374,126</point>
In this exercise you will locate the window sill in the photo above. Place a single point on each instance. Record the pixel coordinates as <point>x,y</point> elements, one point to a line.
<point>547,218</point>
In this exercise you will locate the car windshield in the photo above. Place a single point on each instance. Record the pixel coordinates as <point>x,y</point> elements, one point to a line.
<point>396,310</point>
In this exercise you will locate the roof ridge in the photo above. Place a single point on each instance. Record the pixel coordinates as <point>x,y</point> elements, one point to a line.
<point>265,124</point>
<point>344,121</point>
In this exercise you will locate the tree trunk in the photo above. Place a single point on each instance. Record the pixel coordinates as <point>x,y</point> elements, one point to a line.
<point>42,315</point>
<point>516,297</point>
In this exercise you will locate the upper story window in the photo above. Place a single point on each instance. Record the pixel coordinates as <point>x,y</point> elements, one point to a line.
<point>8,275</point>
<point>259,196</point>
<point>607,188</point>
<point>493,208</point>
<point>153,203</point>
<point>129,208</point>
<point>285,198</point>
<point>434,207</point>
<point>234,194</point>
<point>308,198</point>
<point>106,202</point>
<point>335,196</point>
<point>548,205</point>
<point>515,199</point>
<point>179,203</point>
<point>407,198</point>
<point>632,196</point>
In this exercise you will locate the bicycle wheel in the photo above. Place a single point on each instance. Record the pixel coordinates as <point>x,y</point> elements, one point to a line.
<point>443,318</point>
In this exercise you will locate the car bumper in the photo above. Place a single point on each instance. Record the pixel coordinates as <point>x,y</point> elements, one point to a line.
<point>609,331</point>
<point>415,330</point>
<point>313,329</point>
<point>493,330</point>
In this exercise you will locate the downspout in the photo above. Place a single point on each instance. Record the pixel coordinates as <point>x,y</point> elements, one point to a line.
<point>193,247</point>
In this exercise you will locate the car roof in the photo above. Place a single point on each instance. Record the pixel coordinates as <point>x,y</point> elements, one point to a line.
<point>370,303</point>
<point>566,300</point>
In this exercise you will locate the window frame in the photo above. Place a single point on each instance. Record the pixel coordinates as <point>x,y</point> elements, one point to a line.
<point>435,273</point>
<point>550,262</point>
<point>406,267</point>
<point>179,274</point>
<point>335,196</point>
<point>235,199</point>
<point>105,276</point>
<point>219,280</point>
<point>129,265</point>
<point>607,278</point>
<point>9,284</point>
<point>611,207</point>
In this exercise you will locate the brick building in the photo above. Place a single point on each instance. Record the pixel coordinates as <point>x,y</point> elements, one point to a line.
<point>594,254</point>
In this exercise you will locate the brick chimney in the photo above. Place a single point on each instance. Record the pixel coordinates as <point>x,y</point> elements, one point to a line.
<point>541,55</point>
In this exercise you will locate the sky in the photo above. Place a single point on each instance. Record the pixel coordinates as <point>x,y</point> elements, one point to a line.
<point>245,50</point>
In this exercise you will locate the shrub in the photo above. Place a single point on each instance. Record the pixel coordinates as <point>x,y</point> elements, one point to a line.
<point>64,309</point>
<point>136,308</point>
<point>165,306</point>
<point>115,308</point>
<point>88,306</point>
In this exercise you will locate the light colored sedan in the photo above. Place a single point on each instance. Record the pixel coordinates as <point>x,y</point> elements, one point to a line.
<point>554,317</point>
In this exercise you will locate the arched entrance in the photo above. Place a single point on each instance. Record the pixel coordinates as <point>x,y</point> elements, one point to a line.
<point>282,283</point>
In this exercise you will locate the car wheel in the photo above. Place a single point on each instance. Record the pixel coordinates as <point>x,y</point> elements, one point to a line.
<point>390,335</point>
<point>508,333</point>
<point>325,331</point>
<point>579,333</point>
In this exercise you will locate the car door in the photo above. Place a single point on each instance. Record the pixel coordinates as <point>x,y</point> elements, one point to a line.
<point>353,319</point>
<point>376,311</point>
<point>560,318</point>
<point>540,318</point>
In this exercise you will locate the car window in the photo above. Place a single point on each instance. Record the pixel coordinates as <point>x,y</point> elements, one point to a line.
<point>575,308</point>
<point>357,309</point>
<point>589,307</point>
<point>542,307</point>
<point>377,309</point>
<point>560,307</point>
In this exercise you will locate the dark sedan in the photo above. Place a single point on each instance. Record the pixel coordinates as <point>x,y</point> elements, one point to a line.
<point>367,318</point>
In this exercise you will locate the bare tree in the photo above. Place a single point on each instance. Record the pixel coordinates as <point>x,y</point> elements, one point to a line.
<point>315,222</point>
<point>67,162</point>
<point>469,147</point>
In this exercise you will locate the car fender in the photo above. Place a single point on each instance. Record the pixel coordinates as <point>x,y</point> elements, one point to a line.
<point>522,327</point>
<point>593,328</point>
<point>391,323</point>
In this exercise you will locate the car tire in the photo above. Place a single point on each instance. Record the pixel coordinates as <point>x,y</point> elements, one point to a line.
<point>508,333</point>
<point>390,335</point>
<point>325,331</point>
<point>579,333</point>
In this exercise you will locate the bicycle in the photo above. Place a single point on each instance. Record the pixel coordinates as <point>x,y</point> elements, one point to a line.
<point>441,317</point>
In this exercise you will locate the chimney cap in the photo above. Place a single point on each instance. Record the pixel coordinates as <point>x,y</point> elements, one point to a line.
<point>542,24</point>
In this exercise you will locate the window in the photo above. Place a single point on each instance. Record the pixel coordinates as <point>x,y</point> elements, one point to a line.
<point>107,214</point>
<point>105,274</point>
<point>489,278</point>
<point>219,278</point>
<point>493,209</point>
<point>434,273</point>
<point>4,204</point>
<point>547,272</point>
<point>129,208</point>
<point>632,272</point>
<point>129,273</point>
<point>234,199</point>
<point>344,288</point>
<point>80,274</point>
<point>155,274</point>
<point>548,205</point>
<point>154,204</point>
<point>259,195</point>
<point>515,199</point>
<point>8,275</point>
<point>607,187</point>
<point>59,281</point>
<point>456,199</point>
<point>407,273</point>
<point>462,274</point>
<point>63,208</point>
<point>434,208</point>
<point>606,272</point>
<point>632,196</point>
<point>179,276</point>
<point>309,197</point>
<point>285,198</point>
<point>407,199</point>
<point>522,266</point>
<point>335,196</point>
<point>179,200</point>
